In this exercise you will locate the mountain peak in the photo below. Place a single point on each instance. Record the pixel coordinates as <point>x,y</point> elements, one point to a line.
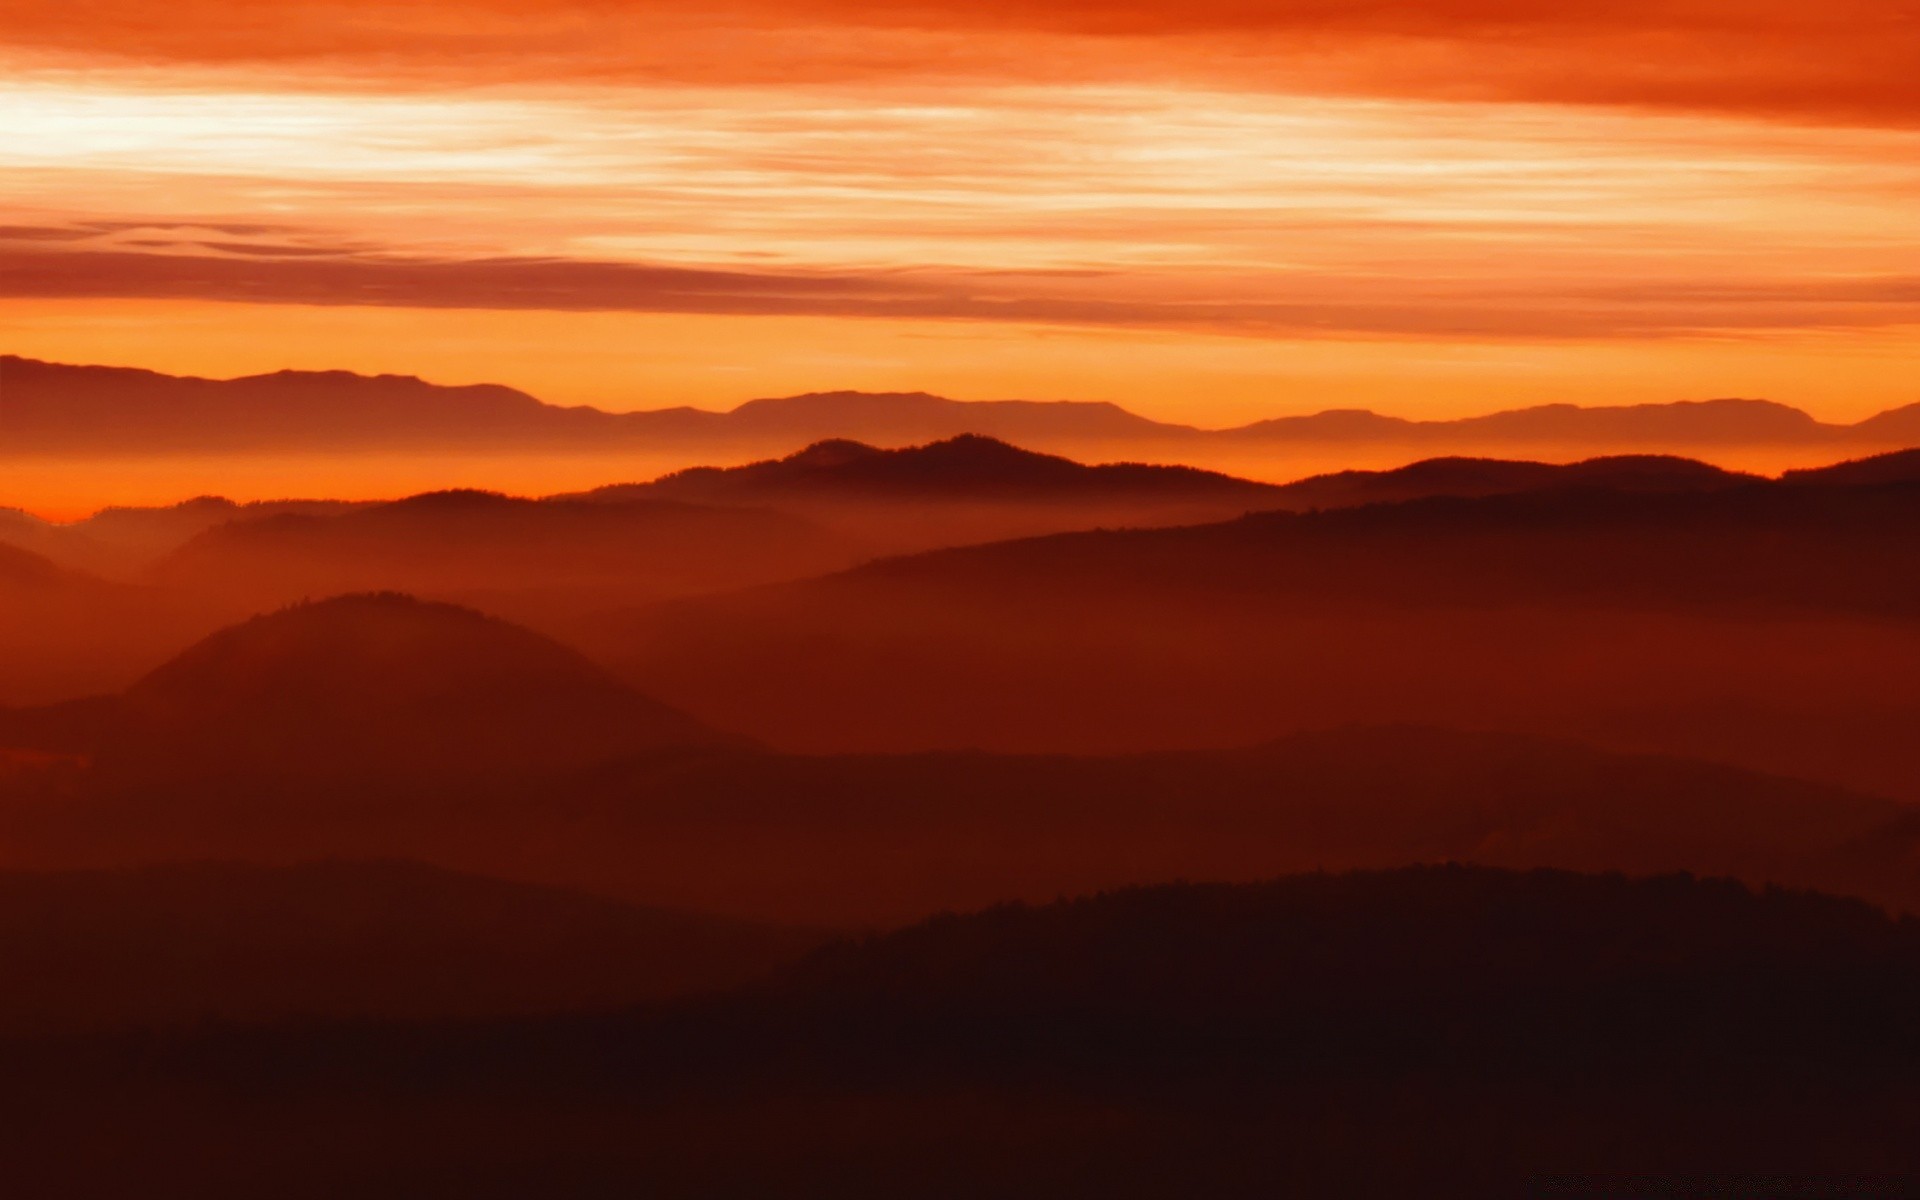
<point>833,452</point>
<point>384,680</point>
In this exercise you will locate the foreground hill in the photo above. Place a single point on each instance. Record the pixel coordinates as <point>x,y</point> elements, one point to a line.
<point>1433,1031</point>
<point>356,684</point>
<point>182,944</point>
<point>881,840</point>
<point>507,553</point>
<point>1769,625</point>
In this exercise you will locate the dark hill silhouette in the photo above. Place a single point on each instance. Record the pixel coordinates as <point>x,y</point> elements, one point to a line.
<point>50,408</point>
<point>1435,1031</point>
<point>1493,477</point>
<point>358,683</point>
<point>1901,466</point>
<point>862,840</point>
<point>509,554</point>
<point>970,467</point>
<point>181,944</point>
<point>963,489</point>
<point>1363,952</point>
<point>1768,625</point>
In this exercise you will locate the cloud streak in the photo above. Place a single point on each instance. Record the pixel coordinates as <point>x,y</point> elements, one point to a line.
<point>1311,306</point>
<point>1845,61</point>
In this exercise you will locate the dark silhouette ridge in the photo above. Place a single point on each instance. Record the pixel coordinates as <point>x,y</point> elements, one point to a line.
<point>371,682</point>
<point>963,489</point>
<point>509,554</point>
<point>49,408</point>
<point>1438,1031</point>
<point>1763,624</point>
<point>1901,466</point>
<point>1492,477</point>
<point>879,840</point>
<point>968,467</point>
<point>185,943</point>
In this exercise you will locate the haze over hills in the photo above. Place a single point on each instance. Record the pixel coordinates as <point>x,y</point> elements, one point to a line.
<point>120,541</point>
<point>511,555</point>
<point>852,840</point>
<point>1475,1031</point>
<point>957,491</point>
<point>1770,625</point>
<point>182,944</point>
<point>65,632</point>
<point>358,684</point>
<point>55,409</point>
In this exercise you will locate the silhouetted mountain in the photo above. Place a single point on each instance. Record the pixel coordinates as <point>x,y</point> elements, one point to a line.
<point>1435,1031</point>
<point>357,684</point>
<point>1769,625</point>
<point>970,467</point>
<point>48,408</point>
<point>481,547</point>
<point>863,840</point>
<point>963,489</point>
<point>187,943</point>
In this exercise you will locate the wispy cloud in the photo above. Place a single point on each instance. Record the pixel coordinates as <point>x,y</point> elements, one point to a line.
<point>1848,61</point>
<point>1294,307</point>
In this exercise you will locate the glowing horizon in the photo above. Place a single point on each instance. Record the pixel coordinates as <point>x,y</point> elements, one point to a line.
<point>1209,214</point>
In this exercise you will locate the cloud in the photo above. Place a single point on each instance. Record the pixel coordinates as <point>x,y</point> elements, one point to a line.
<point>1839,61</point>
<point>1310,305</point>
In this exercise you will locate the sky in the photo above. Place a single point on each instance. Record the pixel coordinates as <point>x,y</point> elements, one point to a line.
<point>1210,211</point>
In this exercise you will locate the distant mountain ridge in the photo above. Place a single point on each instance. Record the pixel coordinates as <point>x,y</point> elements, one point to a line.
<point>51,408</point>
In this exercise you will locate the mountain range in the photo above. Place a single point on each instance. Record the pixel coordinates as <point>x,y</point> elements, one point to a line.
<point>62,410</point>
<point>1769,624</point>
<point>380,727</point>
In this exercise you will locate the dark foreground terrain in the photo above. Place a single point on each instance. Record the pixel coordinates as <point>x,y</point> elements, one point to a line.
<point>1433,1031</point>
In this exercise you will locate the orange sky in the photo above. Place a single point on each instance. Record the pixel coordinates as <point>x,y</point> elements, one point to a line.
<point>1210,211</point>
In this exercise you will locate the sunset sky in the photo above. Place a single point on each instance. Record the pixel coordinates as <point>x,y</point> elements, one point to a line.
<point>1210,211</point>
